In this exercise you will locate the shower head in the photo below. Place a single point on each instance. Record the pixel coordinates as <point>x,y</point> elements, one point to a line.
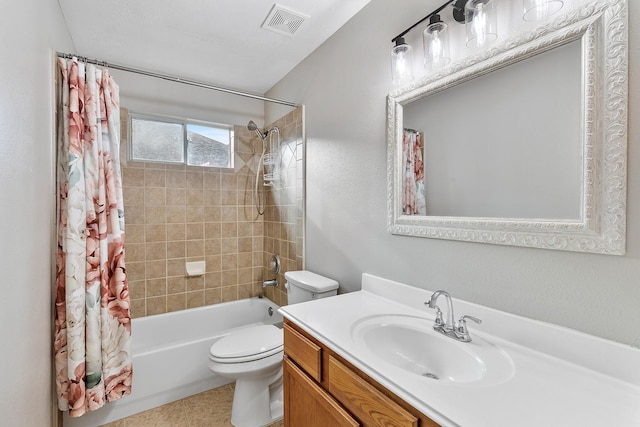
<point>254,127</point>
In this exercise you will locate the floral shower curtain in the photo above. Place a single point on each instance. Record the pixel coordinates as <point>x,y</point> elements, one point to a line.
<point>92,340</point>
<point>413,194</point>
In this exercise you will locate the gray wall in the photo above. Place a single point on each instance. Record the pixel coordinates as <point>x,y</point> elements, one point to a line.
<point>343,85</point>
<point>29,30</point>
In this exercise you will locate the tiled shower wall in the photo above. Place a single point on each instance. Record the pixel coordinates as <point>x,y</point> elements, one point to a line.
<point>175,214</point>
<point>284,215</point>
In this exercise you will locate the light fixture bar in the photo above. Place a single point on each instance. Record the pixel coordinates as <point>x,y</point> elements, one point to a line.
<point>459,4</point>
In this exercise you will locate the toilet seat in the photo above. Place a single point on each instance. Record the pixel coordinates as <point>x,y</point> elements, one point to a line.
<point>248,344</point>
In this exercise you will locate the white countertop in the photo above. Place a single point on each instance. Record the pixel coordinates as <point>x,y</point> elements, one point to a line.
<point>561,377</point>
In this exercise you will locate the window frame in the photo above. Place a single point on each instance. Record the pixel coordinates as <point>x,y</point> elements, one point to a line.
<point>184,122</point>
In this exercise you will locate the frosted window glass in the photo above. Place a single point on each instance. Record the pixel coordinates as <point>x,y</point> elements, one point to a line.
<point>157,141</point>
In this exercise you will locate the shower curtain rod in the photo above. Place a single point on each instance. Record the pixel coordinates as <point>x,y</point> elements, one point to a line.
<point>173,79</point>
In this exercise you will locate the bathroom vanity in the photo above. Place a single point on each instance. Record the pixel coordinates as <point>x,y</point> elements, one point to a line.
<point>322,389</point>
<point>371,358</point>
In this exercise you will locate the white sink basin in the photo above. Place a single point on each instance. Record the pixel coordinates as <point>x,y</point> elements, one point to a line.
<point>411,344</point>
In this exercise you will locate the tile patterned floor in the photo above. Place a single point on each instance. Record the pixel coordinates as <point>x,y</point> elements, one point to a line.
<point>209,409</point>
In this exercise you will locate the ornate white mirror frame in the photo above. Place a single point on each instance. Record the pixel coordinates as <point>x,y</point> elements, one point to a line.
<point>602,27</point>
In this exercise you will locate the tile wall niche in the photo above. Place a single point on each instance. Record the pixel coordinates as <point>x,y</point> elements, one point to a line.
<point>175,214</point>
<point>284,214</point>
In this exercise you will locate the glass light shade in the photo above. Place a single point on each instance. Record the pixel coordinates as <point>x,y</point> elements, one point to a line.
<point>401,63</point>
<point>436,45</point>
<point>481,20</point>
<point>540,10</point>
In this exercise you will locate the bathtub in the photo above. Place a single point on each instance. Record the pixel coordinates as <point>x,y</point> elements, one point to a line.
<point>170,355</point>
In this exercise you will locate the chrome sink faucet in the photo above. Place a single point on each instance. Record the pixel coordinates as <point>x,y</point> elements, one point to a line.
<point>441,325</point>
<point>458,331</point>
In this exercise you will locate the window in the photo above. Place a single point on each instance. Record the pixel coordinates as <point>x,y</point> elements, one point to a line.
<point>169,140</point>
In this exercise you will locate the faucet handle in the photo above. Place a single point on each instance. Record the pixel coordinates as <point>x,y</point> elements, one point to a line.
<point>461,328</point>
<point>439,322</point>
<point>464,318</point>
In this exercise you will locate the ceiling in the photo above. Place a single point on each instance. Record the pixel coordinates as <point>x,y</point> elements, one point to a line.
<point>220,42</point>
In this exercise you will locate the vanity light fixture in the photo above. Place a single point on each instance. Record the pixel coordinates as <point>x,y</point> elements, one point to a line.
<point>481,22</point>
<point>401,62</point>
<point>400,66</point>
<point>540,10</point>
<point>436,43</point>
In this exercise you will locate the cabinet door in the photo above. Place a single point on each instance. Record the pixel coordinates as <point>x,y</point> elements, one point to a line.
<point>371,406</point>
<point>306,404</point>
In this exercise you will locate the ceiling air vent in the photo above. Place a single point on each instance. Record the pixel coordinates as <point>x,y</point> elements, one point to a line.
<point>283,20</point>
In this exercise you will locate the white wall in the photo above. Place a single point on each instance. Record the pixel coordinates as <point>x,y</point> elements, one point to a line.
<point>29,29</point>
<point>343,85</point>
<point>148,95</point>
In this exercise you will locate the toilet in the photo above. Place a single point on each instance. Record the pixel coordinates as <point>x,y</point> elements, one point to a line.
<point>252,356</point>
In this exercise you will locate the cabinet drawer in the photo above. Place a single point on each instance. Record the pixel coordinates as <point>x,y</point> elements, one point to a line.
<point>304,352</point>
<point>364,401</point>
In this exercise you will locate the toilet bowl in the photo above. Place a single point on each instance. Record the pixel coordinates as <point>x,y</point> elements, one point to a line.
<point>252,357</point>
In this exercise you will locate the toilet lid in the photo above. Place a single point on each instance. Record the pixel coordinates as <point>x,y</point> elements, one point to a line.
<point>311,281</point>
<point>254,342</point>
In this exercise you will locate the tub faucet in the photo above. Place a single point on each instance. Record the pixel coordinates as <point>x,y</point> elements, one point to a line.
<point>458,331</point>
<point>272,282</point>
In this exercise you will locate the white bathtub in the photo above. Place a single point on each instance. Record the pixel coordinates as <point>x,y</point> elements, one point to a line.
<point>170,355</point>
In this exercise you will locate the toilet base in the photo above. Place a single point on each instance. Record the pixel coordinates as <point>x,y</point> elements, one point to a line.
<point>258,402</point>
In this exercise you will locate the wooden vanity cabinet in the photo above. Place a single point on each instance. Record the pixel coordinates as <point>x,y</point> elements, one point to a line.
<point>323,390</point>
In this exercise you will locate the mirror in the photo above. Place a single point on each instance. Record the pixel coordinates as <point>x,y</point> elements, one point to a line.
<point>523,144</point>
<point>530,122</point>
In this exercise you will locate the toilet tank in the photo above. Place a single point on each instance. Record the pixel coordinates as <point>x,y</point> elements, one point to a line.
<point>306,286</point>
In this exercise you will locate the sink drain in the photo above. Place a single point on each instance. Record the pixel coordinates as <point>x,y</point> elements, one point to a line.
<point>430,375</point>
